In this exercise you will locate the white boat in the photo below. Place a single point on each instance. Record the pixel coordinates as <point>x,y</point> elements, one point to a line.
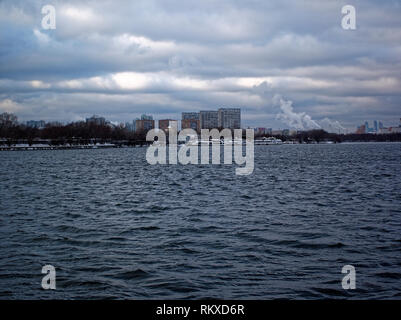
<point>268,141</point>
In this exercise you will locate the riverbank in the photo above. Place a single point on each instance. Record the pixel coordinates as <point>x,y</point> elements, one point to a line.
<point>24,147</point>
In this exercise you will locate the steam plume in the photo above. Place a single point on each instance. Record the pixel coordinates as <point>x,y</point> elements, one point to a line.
<point>299,121</point>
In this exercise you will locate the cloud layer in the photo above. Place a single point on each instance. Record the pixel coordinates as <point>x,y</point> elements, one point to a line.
<point>123,58</point>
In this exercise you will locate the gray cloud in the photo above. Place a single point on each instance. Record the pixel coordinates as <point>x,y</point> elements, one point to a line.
<point>123,58</point>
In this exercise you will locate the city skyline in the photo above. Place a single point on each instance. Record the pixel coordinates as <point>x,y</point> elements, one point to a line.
<point>188,118</point>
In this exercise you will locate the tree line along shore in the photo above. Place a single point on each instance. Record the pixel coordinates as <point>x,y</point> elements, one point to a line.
<point>82,133</point>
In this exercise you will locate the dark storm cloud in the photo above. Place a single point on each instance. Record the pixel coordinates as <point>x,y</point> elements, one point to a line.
<point>124,58</point>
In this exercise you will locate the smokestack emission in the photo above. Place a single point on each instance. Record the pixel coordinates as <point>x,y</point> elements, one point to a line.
<point>299,121</point>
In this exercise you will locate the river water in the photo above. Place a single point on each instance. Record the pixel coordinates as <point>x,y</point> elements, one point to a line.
<point>116,227</point>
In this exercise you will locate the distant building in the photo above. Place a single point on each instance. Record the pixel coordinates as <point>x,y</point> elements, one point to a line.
<point>100,121</point>
<point>229,118</point>
<point>144,124</point>
<point>130,126</point>
<point>361,129</point>
<point>134,124</point>
<point>277,132</point>
<point>286,132</point>
<point>146,117</point>
<point>190,120</point>
<point>55,124</point>
<point>166,124</point>
<point>209,119</point>
<point>260,131</point>
<point>190,124</point>
<point>263,131</point>
<point>36,124</point>
<point>388,130</point>
<point>190,115</point>
<point>367,127</point>
<point>377,128</point>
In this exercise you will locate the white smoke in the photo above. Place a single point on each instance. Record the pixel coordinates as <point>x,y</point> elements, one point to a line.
<point>299,121</point>
<point>332,126</point>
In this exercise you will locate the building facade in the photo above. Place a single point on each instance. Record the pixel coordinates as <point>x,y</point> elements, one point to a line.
<point>209,119</point>
<point>166,124</point>
<point>190,120</point>
<point>144,124</point>
<point>130,126</point>
<point>190,116</point>
<point>261,131</point>
<point>361,129</point>
<point>229,118</point>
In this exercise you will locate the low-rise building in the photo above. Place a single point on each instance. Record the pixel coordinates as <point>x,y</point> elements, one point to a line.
<point>395,129</point>
<point>100,121</point>
<point>144,124</point>
<point>361,129</point>
<point>166,124</point>
<point>277,132</point>
<point>40,124</point>
<point>190,120</point>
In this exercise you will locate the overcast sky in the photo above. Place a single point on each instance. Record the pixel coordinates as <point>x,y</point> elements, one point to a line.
<point>285,63</point>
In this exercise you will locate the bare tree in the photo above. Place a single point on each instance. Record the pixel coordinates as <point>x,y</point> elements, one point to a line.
<point>8,120</point>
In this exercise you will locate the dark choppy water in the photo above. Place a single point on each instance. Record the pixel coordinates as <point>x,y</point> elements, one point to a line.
<point>116,227</point>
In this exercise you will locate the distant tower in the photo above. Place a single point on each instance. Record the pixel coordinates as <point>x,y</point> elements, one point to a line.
<point>366,127</point>
<point>375,126</point>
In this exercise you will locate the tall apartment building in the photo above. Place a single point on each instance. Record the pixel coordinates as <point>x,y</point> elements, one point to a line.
<point>229,118</point>
<point>190,120</point>
<point>209,119</point>
<point>367,129</point>
<point>190,115</point>
<point>146,123</point>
